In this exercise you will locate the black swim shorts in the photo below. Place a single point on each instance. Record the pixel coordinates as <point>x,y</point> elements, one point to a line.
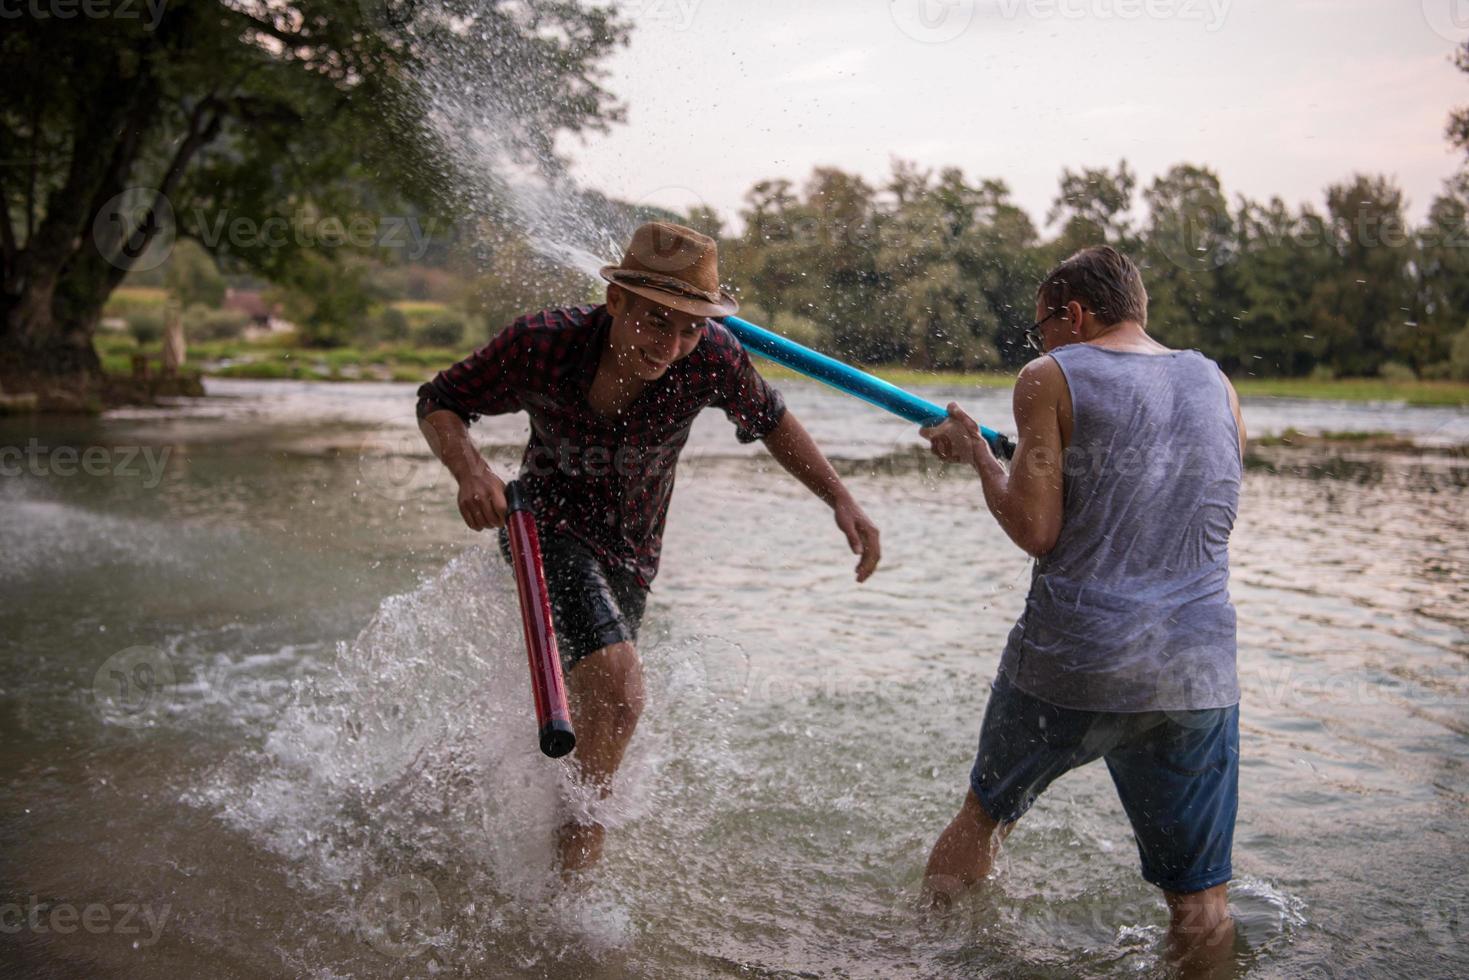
<point>592,605</point>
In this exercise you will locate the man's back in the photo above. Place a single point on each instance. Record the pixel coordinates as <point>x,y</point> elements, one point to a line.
<point>1130,610</point>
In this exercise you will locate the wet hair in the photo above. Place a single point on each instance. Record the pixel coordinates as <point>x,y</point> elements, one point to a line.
<point>1101,279</point>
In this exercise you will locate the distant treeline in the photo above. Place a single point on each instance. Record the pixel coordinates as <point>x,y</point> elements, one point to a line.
<point>935,271</point>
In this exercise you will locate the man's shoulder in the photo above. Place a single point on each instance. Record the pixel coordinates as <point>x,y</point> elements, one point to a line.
<point>551,337</point>
<point>1042,375</point>
<point>558,320</point>
<point>719,347</point>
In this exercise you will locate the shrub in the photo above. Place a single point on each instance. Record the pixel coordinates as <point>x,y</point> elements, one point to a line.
<point>1459,356</point>
<point>1323,372</point>
<point>146,326</point>
<point>442,331</point>
<point>127,300</point>
<point>392,325</point>
<point>1397,372</point>
<point>202,323</point>
<point>192,275</point>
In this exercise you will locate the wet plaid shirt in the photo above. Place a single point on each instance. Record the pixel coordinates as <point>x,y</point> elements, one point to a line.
<point>606,482</point>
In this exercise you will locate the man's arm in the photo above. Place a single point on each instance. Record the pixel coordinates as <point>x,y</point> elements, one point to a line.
<point>1239,418</point>
<point>484,383</point>
<point>481,492</point>
<point>793,447</point>
<point>1026,501</point>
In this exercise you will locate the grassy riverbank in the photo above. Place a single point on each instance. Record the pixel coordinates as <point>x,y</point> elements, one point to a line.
<point>1439,393</point>
<point>272,361</point>
<point>239,359</point>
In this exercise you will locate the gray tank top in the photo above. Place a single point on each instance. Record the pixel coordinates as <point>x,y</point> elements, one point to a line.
<point>1130,611</point>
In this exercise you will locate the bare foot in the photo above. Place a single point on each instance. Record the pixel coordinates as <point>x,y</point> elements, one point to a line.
<point>940,891</point>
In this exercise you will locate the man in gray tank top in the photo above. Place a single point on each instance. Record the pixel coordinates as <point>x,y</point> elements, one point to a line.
<point>1124,488</point>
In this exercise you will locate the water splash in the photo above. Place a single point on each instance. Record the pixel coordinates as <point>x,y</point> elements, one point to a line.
<point>507,177</point>
<point>414,754</point>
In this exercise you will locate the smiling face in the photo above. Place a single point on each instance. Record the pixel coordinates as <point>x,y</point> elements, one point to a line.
<point>646,337</point>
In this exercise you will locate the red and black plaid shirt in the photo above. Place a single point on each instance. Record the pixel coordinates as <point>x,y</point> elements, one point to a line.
<point>606,482</point>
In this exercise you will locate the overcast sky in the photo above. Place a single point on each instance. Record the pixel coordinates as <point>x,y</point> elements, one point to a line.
<point>1280,97</point>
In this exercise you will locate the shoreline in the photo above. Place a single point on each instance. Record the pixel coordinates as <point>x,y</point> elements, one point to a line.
<point>324,366</point>
<point>407,364</point>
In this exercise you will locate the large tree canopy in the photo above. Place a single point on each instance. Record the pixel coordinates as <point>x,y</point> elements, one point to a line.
<point>222,119</point>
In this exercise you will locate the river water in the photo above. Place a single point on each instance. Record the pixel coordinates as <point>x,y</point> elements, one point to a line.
<point>263,712</point>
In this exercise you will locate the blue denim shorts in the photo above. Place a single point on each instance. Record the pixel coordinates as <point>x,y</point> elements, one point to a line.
<point>1176,772</point>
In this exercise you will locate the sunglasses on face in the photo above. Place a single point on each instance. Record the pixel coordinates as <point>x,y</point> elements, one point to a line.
<point>1033,335</point>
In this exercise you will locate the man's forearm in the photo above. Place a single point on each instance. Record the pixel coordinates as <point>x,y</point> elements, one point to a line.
<point>1011,512</point>
<point>793,447</point>
<point>995,483</point>
<point>449,439</point>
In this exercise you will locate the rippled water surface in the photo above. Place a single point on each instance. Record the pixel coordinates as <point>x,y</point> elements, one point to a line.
<point>270,694</point>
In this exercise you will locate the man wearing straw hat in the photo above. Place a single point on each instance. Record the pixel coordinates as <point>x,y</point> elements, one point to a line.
<point>612,392</point>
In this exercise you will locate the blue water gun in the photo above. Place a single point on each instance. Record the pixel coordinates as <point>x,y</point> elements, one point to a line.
<point>846,378</point>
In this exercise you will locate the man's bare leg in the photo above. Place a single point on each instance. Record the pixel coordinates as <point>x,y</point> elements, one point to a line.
<point>964,853</point>
<point>607,698</point>
<point>1200,932</point>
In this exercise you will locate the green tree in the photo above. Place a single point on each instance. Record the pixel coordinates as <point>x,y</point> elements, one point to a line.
<point>1441,272</point>
<point>1094,206</point>
<point>1458,129</point>
<point>1359,307</point>
<point>1186,253</point>
<point>227,112</point>
<point>327,301</point>
<point>192,276</point>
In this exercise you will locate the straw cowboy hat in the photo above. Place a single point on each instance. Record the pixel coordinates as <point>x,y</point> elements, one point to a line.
<point>675,266</point>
